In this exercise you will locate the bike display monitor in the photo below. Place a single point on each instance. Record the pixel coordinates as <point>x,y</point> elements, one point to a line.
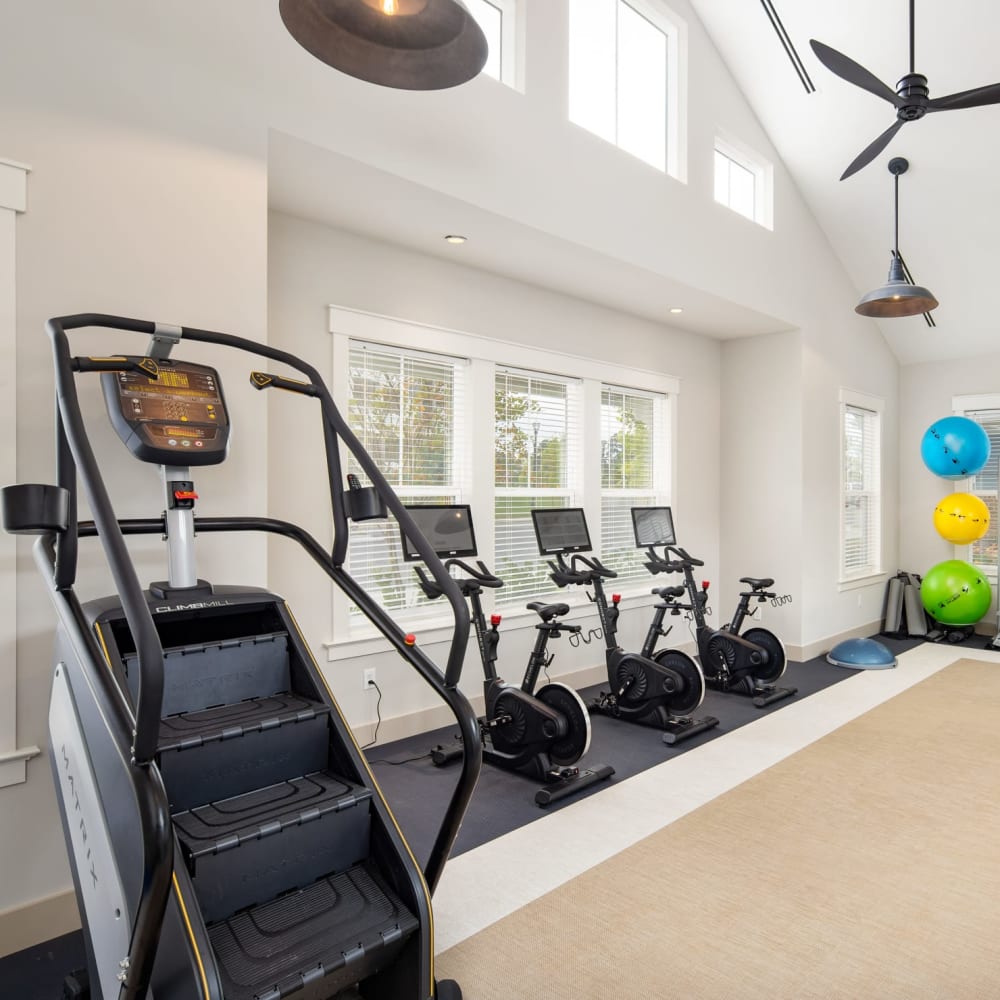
<point>178,418</point>
<point>561,531</point>
<point>653,526</point>
<point>448,528</point>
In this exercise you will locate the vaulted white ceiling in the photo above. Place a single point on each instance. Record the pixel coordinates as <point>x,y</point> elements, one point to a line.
<point>948,198</point>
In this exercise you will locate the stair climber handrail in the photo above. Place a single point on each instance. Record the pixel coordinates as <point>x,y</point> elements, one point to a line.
<point>74,456</point>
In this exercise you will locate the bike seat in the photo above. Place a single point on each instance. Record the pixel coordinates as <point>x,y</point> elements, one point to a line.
<point>757,584</point>
<point>548,611</point>
<point>666,592</point>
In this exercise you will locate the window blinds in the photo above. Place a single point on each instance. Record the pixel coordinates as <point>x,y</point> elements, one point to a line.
<point>405,407</point>
<point>861,513</point>
<point>631,439</point>
<point>984,485</point>
<point>536,454</point>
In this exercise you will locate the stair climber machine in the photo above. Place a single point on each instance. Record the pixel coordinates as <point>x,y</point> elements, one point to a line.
<point>658,693</point>
<point>539,734</point>
<point>226,836</point>
<point>746,663</point>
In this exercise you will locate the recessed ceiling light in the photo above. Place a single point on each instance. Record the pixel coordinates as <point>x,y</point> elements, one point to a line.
<point>677,309</point>
<point>455,238</point>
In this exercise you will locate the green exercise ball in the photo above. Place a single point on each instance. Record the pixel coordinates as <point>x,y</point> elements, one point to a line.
<point>955,593</point>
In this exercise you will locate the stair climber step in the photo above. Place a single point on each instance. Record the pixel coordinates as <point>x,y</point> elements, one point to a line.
<point>338,931</point>
<point>203,674</point>
<point>248,849</point>
<point>225,751</point>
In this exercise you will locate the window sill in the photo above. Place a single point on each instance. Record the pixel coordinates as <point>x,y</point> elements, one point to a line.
<point>862,581</point>
<point>438,631</point>
<point>12,766</point>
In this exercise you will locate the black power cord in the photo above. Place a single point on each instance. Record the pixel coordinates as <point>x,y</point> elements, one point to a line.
<point>378,716</point>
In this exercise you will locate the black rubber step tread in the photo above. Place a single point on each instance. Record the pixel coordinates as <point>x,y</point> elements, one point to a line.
<point>192,729</point>
<point>338,925</point>
<point>224,825</point>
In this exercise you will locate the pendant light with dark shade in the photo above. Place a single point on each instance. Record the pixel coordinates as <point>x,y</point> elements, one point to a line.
<point>406,44</point>
<point>897,297</point>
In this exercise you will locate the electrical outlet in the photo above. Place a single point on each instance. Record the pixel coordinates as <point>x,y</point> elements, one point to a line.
<point>859,600</point>
<point>369,678</point>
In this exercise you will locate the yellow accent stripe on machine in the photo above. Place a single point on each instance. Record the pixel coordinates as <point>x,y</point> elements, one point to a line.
<point>177,888</point>
<point>364,760</point>
<point>187,924</point>
<point>104,645</point>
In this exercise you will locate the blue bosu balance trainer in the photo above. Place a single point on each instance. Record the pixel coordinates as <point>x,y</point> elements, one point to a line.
<point>861,654</point>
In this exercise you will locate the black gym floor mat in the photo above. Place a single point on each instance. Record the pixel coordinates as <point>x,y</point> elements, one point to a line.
<point>418,792</point>
<point>38,973</point>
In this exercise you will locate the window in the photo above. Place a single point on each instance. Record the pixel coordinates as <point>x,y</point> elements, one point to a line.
<point>861,487</point>
<point>624,78</point>
<point>742,182</point>
<point>505,428</point>
<point>497,19</point>
<point>536,435</point>
<point>983,552</point>
<point>404,407</point>
<point>633,460</point>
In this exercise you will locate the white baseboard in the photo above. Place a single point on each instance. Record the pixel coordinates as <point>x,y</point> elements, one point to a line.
<point>38,921</point>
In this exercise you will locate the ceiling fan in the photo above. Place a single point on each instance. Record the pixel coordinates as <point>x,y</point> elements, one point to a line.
<point>910,98</point>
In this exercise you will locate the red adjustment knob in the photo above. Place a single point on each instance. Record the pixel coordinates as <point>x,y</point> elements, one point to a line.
<point>185,495</point>
<point>495,620</point>
<point>705,584</point>
<point>410,639</point>
<point>615,598</point>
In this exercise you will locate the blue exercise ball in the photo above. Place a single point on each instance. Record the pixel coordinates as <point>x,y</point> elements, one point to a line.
<point>955,447</point>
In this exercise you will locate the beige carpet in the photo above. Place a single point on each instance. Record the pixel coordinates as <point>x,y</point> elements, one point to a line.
<point>865,866</point>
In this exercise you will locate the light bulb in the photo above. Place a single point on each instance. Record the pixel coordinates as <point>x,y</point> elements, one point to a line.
<point>390,7</point>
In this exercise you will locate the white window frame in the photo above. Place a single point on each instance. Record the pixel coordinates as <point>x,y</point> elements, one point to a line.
<point>876,573</point>
<point>13,202</point>
<point>511,42</point>
<point>961,406</point>
<point>485,356</point>
<point>675,29</point>
<point>763,174</point>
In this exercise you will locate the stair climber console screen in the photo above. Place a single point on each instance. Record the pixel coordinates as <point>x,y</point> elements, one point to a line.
<point>177,418</point>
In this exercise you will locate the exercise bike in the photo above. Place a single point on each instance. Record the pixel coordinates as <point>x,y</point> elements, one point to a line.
<point>539,734</point>
<point>746,663</point>
<point>226,837</point>
<point>644,691</point>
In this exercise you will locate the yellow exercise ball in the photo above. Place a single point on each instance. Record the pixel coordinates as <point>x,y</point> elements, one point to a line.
<point>961,518</point>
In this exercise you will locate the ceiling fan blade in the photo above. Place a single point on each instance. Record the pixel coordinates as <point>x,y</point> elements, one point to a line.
<point>871,151</point>
<point>847,69</point>
<point>967,99</point>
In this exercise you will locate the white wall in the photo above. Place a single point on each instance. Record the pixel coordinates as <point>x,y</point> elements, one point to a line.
<point>140,208</point>
<point>312,266</point>
<point>147,141</point>
<point>842,352</point>
<point>926,392</point>
<point>761,516</point>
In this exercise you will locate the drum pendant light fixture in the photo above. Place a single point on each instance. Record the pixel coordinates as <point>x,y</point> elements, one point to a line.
<point>897,297</point>
<point>406,44</point>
